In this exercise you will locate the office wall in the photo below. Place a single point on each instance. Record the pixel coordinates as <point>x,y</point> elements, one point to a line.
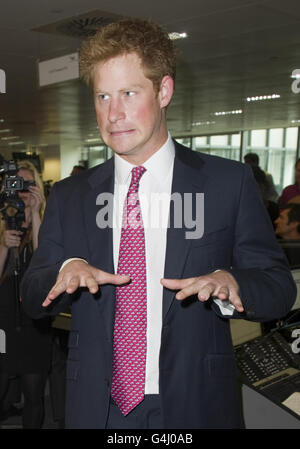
<point>70,155</point>
<point>52,164</point>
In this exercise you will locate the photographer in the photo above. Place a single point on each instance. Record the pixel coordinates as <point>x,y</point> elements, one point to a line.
<point>28,342</point>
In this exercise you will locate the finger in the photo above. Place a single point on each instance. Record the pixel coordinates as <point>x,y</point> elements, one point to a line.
<point>108,278</point>
<point>14,233</point>
<point>92,285</point>
<point>223,293</point>
<point>236,301</point>
<point>206,292</point>
<point>50,297</point>
<point>14,242</point>
<point>36,193</point>
<point>46,302</point>
<point>57,290</point>
<point>177,284</point>
<point>73,285</point>
<point>203,292</point>
<point>35,196</point>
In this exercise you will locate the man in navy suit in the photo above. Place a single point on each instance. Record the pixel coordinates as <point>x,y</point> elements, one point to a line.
<point>210,251</point>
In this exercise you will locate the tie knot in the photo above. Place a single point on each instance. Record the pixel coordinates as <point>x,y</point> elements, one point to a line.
<point>136,174</point>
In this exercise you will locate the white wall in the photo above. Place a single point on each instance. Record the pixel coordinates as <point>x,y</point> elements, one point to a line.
<point>70,155</point>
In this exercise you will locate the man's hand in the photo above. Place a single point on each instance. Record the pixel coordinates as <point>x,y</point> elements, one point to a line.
<point>220,284</point>
<point>77,274</point>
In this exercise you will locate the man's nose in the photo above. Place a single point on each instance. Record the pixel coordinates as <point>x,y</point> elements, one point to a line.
<point>116,110</point>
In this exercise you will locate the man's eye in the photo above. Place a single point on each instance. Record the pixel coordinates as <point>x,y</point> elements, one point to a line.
<point>129,93</point>
<point>102,96</point>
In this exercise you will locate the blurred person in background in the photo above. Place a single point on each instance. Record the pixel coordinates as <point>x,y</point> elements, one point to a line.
<point>28,341</point>
<point>287,228</point>
<point>77,170</point>
<point>288,223</point>
<point>290,192</point>
<point>262,182</point>
<point>270,193</point>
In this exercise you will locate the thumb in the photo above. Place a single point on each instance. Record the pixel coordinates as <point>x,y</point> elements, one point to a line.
<point>176,284</point>
<point>109,278</point>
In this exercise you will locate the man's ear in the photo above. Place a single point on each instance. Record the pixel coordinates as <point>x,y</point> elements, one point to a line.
<point>166,91</point>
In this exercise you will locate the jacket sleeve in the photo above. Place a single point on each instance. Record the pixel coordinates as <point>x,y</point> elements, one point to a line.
<point>45,264</point>
<point>267,288</point>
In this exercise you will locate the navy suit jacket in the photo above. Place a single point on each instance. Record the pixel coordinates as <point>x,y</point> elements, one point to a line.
<point>197,370</point>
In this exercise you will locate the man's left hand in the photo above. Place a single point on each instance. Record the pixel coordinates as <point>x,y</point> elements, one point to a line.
<point>219,284</point>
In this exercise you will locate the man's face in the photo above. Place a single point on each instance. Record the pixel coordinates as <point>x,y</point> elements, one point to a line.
<point>129,112</point>
<point>283,227</point>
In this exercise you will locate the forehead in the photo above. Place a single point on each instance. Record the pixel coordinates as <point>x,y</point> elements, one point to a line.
<point>26,174</point>
<point>284,213</point>
<point>125,68</point>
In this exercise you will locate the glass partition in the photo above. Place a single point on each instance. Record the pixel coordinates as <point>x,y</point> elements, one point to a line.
<point>223,145</point>
<point>277,151</point>
<point>276,148</point>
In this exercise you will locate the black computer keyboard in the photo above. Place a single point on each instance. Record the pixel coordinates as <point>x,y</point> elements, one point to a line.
<point>281,389</point>
<point>265,356</point>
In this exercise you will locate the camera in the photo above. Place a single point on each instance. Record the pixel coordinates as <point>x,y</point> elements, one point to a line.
<point>14,184</point>
<point>11,205</point>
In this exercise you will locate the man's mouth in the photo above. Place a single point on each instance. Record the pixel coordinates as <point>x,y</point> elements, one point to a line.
<point>124,132</point>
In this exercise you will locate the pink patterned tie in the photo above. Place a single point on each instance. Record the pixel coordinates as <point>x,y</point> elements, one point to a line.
<point>130,344</point>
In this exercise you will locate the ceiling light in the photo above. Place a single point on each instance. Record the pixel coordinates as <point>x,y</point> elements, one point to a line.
<point>15,143</point>
<point>263,97</point>
<point>93,140</point>
<point>175,35</point>
<point>5,130</point>
<point>295,121</point>
<point>237,111</point>
<point>10,137</point>
<point>203,123</point>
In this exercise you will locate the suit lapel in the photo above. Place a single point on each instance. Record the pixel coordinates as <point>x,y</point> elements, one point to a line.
<point>188,178</point>
<point>100,241</point>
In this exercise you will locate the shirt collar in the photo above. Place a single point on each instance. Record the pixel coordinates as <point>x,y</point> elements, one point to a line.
<point>158,164</point>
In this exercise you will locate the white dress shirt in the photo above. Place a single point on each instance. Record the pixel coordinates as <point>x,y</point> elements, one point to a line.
<point>155,183</point>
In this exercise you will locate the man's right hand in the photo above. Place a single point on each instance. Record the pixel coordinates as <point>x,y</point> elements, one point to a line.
<point>77,274</point>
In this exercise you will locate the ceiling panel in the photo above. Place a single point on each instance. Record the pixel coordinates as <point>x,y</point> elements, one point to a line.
<point>235,49</point>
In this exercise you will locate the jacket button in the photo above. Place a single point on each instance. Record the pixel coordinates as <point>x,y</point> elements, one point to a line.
<point>107,383</point>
